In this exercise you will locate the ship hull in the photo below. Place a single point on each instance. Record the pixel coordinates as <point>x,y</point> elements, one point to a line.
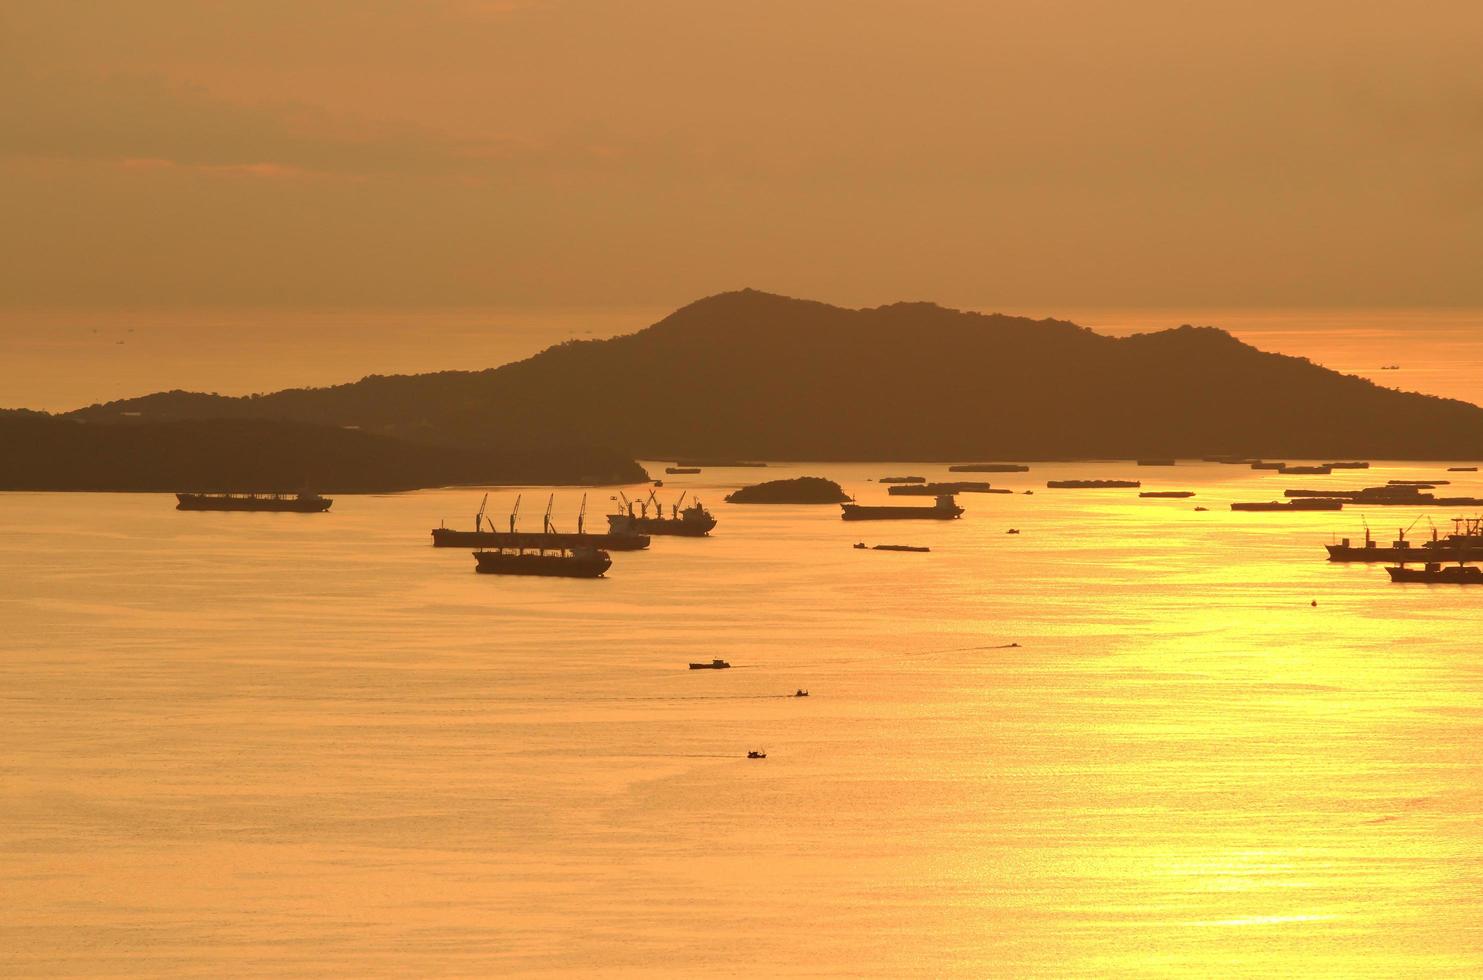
<point>672,527</point>
<point>1338,552</point>
<point>1454,575</point>
<point>277,505</point>
<point>552,566</point>
<point>446,537</point>
<point>856,512</point>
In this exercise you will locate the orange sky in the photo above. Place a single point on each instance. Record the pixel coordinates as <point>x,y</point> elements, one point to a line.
<point>545,154</point>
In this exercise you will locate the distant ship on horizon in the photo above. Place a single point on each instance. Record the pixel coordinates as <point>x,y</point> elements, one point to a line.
<point>299,503</point>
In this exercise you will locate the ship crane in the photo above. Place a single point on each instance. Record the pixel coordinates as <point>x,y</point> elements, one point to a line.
<point>546,525</point>
<point>514,512</point>
<point>675,510</point>
<point>479,517</point>
<point>582,514</point>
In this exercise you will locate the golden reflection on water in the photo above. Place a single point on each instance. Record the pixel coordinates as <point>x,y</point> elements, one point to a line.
<point>255,745</point>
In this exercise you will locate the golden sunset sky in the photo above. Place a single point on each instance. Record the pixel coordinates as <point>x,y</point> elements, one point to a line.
<point>546,154</point>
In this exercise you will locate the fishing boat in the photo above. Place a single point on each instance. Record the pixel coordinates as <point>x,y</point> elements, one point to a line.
<point>295,503</point>
<point>690,522</point>
<point>756,754</point>
<point>716,664</point>
<point>485,535</point>
<point>945,509</point>
<point>800,693</point>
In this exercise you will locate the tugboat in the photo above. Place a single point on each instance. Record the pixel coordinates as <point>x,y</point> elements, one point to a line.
<point>756,754</point>
<point>717,664</point>
<point>299,503</point>
<point>487,537</point>
<point>946,509</point>
<point>800,693</point>
<point>550,557</point>
<point>691,522</point>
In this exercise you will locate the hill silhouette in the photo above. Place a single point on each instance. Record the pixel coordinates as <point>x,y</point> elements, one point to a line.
<point>753,375</point>
<point>44,453</point>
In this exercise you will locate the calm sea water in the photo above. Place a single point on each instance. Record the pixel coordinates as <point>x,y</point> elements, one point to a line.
<point>255,745</point>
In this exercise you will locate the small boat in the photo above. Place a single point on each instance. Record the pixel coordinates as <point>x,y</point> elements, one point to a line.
<point>756,754</point>
<point>1199,509</point>
<point>800,693</point>
<point>1435,572</point>
<point>891,547</point>
<point>717,664</point>
<point>1013,530</point>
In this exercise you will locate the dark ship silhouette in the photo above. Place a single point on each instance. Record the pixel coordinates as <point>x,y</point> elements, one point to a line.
<point>549,558</point>
<point>945,509</point>
<point>691,522</point>
<point>489,537</point>
<point>298,503</point>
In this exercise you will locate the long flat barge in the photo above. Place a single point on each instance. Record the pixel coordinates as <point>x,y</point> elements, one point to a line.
<point>945,509</point>
<point>303,503</point>
<point>571,563</point>
<point>447,537</point>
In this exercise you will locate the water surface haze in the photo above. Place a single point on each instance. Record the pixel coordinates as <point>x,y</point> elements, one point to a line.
<point>257,744</point>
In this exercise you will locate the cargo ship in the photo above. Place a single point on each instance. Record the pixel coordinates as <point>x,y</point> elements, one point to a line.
<point>574,562</point>
<point>297,503</point>
<point>1091,484</point>
<point>938,489</point>
<point>488,537</point>
<point>690,522</point>
<point>989,468</point>
<point>1301,503</point>
<point>945,509</point>
<point>1438,573</point>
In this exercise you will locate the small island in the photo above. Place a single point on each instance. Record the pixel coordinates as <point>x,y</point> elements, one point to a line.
<point>803,490</point>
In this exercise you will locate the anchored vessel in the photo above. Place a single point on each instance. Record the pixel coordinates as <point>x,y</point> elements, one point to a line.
<point>299,503</point>
<point>938,489</point>
<point>488,537</point>
<point>1091,484</point>
<point>945,509</point>
<point>717,664</point>
<point>891,547</point>
<point>1464,544</point>
<point>550,555</point>
<point>690,522</point>
<point>1300,503</point>
<point>989,468</point>
<point>1435,572</point>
